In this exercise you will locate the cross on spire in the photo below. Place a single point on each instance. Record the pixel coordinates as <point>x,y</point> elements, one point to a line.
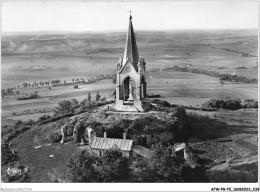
<point>130,14</point>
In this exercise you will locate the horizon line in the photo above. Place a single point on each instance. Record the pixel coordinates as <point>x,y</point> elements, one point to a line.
<point>142,30</point>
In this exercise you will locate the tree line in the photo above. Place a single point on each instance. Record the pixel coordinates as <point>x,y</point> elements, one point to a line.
<point>230,104</point>
<point>54,82</point>
<point>224,77</point>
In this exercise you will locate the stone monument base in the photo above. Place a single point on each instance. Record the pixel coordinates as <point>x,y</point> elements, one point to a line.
<point>135,106</point>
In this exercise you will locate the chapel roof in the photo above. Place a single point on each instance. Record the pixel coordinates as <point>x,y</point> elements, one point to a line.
<point>131,51</point>
<point>106,143</point>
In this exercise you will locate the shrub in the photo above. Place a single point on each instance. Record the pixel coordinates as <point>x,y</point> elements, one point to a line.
<point>55,118</point>
<point>114,166</point>
<point>161,102</point>
<point>110,167</point>
<point>11,133</point>
<point>250,104</point>
<point>153,96</point>
<point>143,172</point>
<point>17,124</point>
<point>89,96</point>
<point>148,124</point>
<point>84,102</point>
<point>74,102</point>
<point>114,79</point>
<point>98,96</point>
<point>231,104</point>
<point>55,137</point>
<point>97,127</point>
<point>43,117</point>
<point>167,165</point>
<point>30,122</point>
<point>81,168</point>
<point>23,129</point>
<point>64,107</point>
<point>6,130</point>
<point>117,128</point>
<point>7,155</point>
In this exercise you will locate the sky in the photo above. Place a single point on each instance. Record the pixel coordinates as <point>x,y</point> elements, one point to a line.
<point>113,16</point>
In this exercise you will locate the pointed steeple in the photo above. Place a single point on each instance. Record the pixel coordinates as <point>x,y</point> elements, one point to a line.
<point>131,51</point>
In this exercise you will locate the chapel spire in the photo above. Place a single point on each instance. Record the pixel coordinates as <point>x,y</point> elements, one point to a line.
<point>131,51</point>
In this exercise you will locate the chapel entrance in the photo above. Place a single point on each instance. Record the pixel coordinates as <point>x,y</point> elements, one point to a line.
<point>129,91</point>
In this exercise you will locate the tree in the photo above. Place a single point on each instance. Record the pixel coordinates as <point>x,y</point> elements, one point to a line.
<point>143,172</point>
<point>98,96</point>
<point>114,92</point>
<point>167,165</point>
<point>74,102</point>
<point>114,166</point>
<point>58,81</point>
<point>18,123</point>
<point>25,84</point>
<point>114,79</point>
<point>110,167</point>
<point>34,84</point>
<point>73,80</point>
<point>41,84</point>
<point>53,82</point>
<point>9,91</point>
<point>43,117</point>
<point>81,168</point>
<point>64,107</point>
<point>3,93</point>
<point>89,96</point>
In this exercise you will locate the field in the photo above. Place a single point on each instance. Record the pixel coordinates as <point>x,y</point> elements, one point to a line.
<point>66,56</point>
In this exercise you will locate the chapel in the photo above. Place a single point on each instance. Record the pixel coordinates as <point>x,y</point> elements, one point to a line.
<point>130,76</point>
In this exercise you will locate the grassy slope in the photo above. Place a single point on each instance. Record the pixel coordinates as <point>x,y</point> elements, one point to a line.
<point>240,143</point>
<point>224,134</point>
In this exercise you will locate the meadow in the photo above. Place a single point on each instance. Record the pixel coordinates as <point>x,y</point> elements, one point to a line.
<point>66,56</point>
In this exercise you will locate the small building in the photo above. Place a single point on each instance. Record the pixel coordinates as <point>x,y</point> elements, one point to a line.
<point>100,144</point>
